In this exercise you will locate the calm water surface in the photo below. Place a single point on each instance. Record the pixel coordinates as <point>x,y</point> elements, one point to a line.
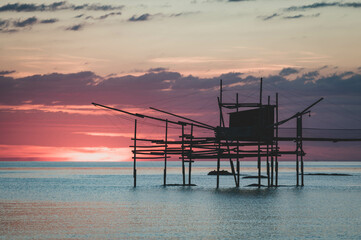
<point>41,200</point>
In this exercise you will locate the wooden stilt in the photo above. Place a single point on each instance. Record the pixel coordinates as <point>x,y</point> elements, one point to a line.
<point>259,135</point>
<point>298,148</point>
<point>238,166</point>
<point>135,154</point>
<point>272,156</point>
<point>276,169</point>
<point>165,153</point>
<point>238,171</point>
<point>260,92</point>
<point>297,170</point>
<point>218,163</point>
<point>183,168</point>
<point>232,167</point>
<point>220,124</point>
<point>259,164</point>
<point>300,137</point>
<point>302,173</point>
<point>268,166</point>
<point>272,165</point>
<point>276,157</point>
<point>190,158</point>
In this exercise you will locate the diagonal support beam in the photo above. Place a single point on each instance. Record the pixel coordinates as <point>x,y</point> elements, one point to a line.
<point>229,150</point>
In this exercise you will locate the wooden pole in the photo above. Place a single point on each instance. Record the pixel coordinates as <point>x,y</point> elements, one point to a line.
<point>221,93</point>
<point>190,157</point>
<point>220,124</point>
<point>238,166</point>
<point>135,154</point>
<point>259,136</point>
<point>165,153</point>
<point>272,150</point>
<point>260,93</point>
<point>259,163</point>
<point>218,161</point>
<point>268,166</point>
<point>297,166</point>
<point>272,164</point>
<point>183,168</point>
<point>276,157</point>
<point>297,150</point>
<point>301,145</point>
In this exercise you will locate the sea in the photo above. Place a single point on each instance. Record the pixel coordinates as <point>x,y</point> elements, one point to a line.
<point>97,200</point>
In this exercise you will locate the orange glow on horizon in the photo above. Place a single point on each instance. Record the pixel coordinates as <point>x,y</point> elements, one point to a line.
<point>73,154</point>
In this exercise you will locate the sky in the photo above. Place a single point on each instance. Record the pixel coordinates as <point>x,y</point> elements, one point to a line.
<point>56,57</point>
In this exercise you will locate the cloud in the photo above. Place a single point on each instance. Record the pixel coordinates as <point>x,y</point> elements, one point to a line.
<point>316,5</point>
<point>27,22</point>
<point>301,16</point>
<point>353,5</point>
<point>312,75</point>
<point>109,14</point>
<point>183,14</point>
<point>76,27</point>
<point>11,26</point>
<point>4,23</point>
<point>294,17</point>
<point>289,17</point>
<point>288,71</point>
<point>4,26</point>
<point>270,17</point>
<point>85,87</point>
<point>56,6</point>
<point>17,7</point>
<point>96,7</point>
<point>323,5</point>
<point>50,20</point>
<point>2,73</point>
<point>143,17</point>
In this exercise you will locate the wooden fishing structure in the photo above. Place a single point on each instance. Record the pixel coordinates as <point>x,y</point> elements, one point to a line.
<point>253,132</point>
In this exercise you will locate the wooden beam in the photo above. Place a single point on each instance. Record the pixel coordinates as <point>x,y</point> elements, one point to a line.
<point>188,119</point>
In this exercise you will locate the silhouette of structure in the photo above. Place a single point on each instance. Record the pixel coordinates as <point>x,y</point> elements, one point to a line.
<point>252,133</point>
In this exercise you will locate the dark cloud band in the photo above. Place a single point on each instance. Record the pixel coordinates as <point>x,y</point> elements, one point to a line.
<point>56,6</point>
<point>323,5</point>
<point>11,26</point>
<point>143,17</point>
<point>68,87</point>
